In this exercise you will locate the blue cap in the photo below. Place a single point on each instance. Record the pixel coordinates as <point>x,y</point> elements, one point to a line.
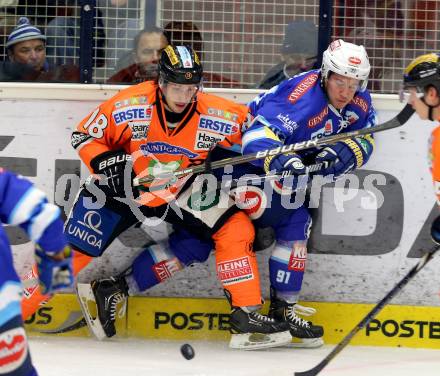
<point>24,31</point>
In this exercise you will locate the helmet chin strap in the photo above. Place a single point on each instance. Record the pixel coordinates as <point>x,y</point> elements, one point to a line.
<point>430,108</point>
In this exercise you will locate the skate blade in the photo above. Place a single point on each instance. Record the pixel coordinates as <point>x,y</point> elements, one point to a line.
<point>305,343</point>
<point>255,341</point>
<point>86,298</point>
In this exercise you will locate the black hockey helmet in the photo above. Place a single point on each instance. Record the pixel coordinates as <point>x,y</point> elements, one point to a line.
<point>422,72</point>
<point>181,65</point>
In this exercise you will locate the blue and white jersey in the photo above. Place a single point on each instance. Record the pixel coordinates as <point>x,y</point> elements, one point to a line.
<point>298,110</point>
<point>24,205</point>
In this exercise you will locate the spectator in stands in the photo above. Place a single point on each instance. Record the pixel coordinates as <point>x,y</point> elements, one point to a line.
<point>121,21</point>
<point>140,64</point>
<point>27,45</point>
<point>8,19</point>
<point>298,53</point>
<point>26,48</point>
<point>63,33</point>
<point>378,25</point>
<point>117,23</point>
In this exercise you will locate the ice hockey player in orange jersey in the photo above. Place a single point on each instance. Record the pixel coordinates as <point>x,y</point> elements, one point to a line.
<point>151,129</point>
<point>422,80</point>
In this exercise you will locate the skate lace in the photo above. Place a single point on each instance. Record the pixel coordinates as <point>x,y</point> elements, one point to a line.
<point>260,317</point>
<point>121,312</point>
<point>306,311</point>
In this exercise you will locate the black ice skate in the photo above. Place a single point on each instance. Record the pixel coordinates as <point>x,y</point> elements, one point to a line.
<point>106,294</point>
<point>304,333</point>
<point>252,330</point>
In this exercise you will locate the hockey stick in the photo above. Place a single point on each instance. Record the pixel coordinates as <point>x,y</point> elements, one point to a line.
<point>257,179</point>
<point>244,180</point>
<point>370,316</point>
<point>400,119</point>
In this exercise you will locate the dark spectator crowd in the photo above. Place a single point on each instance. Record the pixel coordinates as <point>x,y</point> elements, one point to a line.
<point>47,49</point>
<point>44,46</point>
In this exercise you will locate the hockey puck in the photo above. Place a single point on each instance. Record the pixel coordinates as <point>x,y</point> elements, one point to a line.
<point>187,351</point>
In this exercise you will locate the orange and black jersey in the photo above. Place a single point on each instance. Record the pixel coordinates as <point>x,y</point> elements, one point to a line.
<point>134,120</point>
<point>434,156</point>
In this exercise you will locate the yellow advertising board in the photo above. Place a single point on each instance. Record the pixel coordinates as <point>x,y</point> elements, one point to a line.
<point>190,319</point>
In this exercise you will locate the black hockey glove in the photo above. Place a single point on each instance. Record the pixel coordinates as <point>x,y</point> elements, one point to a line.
<point>112,164</point>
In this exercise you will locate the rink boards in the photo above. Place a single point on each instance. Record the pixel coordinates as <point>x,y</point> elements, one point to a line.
<point>363,239</point>
<point>195,319</point>
<point>360,246</point>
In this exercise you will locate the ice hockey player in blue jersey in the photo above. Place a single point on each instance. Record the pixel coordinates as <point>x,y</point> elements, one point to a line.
<point>24,205</point>
<point>311,105</point>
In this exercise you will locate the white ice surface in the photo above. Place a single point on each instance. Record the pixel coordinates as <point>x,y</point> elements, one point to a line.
<point>88,357</point>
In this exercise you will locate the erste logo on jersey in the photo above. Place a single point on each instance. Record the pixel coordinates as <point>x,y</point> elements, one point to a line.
<point>165,148</point>
<point>132,113</point>
<point>303,87</point>
<point>220,126</point>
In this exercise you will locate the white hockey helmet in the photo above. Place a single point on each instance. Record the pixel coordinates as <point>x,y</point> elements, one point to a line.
<point>346,59</point>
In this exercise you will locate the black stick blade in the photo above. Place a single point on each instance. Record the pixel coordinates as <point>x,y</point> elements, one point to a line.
<point>312,371</point>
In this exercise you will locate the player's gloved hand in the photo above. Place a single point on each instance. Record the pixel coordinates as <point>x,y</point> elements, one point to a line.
<point>435,230</point>
<point>112,164</point>
<point>291,166</point>
<point>289,162</point>
<point>54,271</point>
<point>341,158</point>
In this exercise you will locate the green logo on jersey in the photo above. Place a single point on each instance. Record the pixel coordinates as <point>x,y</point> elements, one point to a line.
<point>203,200</point>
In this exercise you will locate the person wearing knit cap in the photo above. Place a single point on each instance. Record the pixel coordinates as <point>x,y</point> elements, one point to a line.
<point>27,45</point>
<point>298,53</point>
